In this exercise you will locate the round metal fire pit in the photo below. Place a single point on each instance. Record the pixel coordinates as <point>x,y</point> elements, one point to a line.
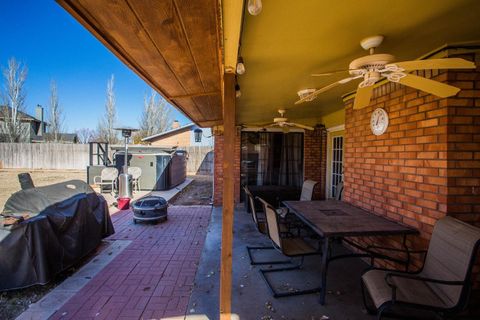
<point>150,208</point>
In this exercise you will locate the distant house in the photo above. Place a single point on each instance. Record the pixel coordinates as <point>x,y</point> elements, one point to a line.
<point>182,136</point>
<point>34,127</point>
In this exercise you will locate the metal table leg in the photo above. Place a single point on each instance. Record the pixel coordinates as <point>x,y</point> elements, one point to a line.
<point>325,252</point>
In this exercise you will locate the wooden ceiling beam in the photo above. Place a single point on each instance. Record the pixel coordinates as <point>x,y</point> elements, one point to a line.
<point>232,26</point>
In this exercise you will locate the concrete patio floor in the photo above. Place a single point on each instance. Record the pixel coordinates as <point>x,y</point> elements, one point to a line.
<point>251,298</point>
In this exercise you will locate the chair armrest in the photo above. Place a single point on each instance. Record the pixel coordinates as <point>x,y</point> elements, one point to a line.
<point>388,277</point>
<point>95,180</point>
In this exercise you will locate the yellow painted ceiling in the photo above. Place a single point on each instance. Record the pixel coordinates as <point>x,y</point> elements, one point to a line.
<point>289,40</point>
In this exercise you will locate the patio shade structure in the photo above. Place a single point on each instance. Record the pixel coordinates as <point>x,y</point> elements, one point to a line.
<point>188,52</point>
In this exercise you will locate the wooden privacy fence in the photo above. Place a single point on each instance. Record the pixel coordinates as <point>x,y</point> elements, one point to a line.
<point>200,160</point>
<point>75,156</point>
<point>43,155</point>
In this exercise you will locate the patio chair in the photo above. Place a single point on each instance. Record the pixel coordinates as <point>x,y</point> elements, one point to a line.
<point>289,246</point>
<point>136,173</point>
<point>442,285</point>
<point>107,177</point>
<point>261,226</point>
<point>307,190</point>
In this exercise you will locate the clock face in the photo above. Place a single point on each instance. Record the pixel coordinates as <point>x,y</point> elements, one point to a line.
<point>379,121</point>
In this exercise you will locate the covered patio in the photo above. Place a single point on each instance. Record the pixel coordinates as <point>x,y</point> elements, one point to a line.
<point>421,164</point>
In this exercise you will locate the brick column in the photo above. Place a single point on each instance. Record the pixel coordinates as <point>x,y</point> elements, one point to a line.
<point>218,169</point>
<point>315,159</point>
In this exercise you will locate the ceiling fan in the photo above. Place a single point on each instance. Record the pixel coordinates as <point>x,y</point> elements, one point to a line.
<point>374,67</point>
<point>282,122</point>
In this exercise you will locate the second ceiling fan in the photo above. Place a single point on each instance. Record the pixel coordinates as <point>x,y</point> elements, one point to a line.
<point>374,67</point>
<point>281,122</point>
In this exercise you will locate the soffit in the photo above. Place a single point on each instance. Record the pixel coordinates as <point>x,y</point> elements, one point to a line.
<point>173,45</point>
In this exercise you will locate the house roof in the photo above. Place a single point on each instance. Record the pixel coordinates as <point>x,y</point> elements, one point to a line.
<point>169,132</point>
<point>23,116</point>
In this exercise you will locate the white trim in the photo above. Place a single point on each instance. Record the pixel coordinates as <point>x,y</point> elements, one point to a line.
<point>328,180</point>
<point>336,128</point>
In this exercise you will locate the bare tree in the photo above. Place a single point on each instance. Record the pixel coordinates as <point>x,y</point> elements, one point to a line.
<point>156,115</point>
<point>106,126</point>
<point>56,114</point>
<point>13,97</point>
<point>85,135</point>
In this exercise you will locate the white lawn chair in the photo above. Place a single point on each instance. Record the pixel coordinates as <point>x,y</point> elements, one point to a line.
<point>107,177</point>
<point>136,173</point>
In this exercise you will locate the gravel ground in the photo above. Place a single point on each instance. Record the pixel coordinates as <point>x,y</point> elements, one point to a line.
<point>9,179</point>
<point>199,192</point>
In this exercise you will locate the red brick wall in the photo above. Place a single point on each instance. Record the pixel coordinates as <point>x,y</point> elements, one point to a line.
<point>315,159</point>
<point>426,165</point>
<point>463,199</point>
<point>218,169</point>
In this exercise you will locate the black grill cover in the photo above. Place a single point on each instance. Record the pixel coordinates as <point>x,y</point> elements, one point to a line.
<point>70,221</point>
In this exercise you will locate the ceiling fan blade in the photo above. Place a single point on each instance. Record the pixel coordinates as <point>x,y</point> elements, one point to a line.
<point>326,88</point>
<point>329,73</point>
<point>447,63</point>
<point>362,97</point>
<point>431,86</point>
<point>302,126</point>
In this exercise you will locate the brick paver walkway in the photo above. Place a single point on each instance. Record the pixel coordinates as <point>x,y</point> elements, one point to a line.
<point>153,277</point>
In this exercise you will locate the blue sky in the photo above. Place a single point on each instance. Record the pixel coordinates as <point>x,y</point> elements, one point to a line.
<point>53,45</point>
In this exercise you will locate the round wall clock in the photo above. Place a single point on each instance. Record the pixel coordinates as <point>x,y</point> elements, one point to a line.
<point>379,121</point>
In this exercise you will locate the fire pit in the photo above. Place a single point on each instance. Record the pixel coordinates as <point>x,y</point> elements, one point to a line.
<point>150,208</point>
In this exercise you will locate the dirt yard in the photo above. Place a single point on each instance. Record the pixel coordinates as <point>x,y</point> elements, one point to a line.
<point>199,192</point>
<point>9,181</point>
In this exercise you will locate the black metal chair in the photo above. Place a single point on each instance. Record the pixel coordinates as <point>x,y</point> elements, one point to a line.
<point>442,285</point>
<point>261,225</point>
<point>288,246</point>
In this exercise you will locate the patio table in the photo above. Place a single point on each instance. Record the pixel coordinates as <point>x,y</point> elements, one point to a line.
<point>337,219</point>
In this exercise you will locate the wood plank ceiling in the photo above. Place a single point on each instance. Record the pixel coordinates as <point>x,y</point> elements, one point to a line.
<point>173,45</point>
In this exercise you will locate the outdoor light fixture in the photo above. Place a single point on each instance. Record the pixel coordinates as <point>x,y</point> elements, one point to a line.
<point>254,7</point>
<point>238,93</point>
<point>240,66</point>
<point>198,134</point>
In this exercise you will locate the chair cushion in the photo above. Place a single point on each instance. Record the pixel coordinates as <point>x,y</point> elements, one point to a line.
<point>407,290</point>
<point>296,247</point>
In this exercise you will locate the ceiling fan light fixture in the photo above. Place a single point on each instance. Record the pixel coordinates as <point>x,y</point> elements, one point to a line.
<point>306,92</point>
<point>240,66</point>
<point>371,42</point>
<point>254,7</point>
